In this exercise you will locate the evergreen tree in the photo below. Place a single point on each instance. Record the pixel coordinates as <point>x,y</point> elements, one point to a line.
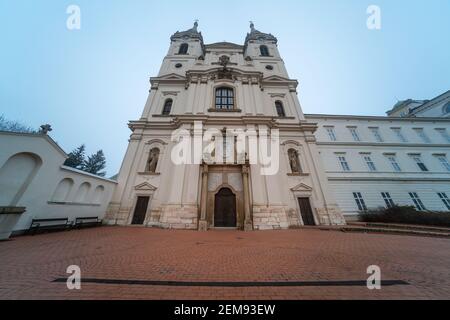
<point>96,163</point>
<point>77,158</point>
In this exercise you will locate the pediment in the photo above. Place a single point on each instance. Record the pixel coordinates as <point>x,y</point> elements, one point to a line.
<point>225,45</point>
<point>276,79</point>
<point>171,76</point>
<point>301,187</point>
<point>145,187</point>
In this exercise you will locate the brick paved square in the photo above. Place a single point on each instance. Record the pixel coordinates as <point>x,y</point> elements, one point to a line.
<point>29,264</point>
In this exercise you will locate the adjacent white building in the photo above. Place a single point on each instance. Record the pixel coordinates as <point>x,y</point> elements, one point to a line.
<point>32,175</point>
<point>375,162</point>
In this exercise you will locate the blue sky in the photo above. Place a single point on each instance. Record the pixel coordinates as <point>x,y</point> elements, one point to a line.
<point>88,83</point>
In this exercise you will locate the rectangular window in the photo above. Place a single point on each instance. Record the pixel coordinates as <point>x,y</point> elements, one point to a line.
<point>445,199</point>
<point>355,134</point>
<point>376,134</point>
<point>331,133</point>
<point>370,164</point>
<point>443,160</point>
<point>417,202</point>
<point>394,163</point>
<point>399,134</point>
<point>419,163</point>
<point>344,163</point>
<point>359,201</point>
<point>422,135</point>
<point>444,134</point>
<point>387,199</point>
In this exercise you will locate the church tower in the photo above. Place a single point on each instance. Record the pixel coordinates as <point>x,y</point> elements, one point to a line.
<point>227,89</point>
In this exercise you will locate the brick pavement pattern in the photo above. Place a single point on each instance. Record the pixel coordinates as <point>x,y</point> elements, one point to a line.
<point>29,264</point>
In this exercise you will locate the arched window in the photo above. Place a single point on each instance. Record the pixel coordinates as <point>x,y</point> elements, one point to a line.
<point>294,161</point>
<point>153,159</point>
<point>280,109</point>
<point>447,108</point>
<point>167,107</point>
<point>224,98</point>
<point>264,51</point>
<point>183,49</point>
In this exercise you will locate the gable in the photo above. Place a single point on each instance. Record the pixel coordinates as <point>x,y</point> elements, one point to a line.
<point>145,187</point>
<point>301,187</point>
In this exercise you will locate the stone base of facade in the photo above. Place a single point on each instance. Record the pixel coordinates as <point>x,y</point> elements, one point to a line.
<point>175,217</point>
<point>330,216</point>
<point>270,218</point>
<point>115,215</point>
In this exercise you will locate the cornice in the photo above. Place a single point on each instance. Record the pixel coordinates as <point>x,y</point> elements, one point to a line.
<point>375,118</point>
<point>176,122</point>
<point>383,144</point>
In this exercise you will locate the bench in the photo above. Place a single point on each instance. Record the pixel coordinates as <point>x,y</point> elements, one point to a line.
<point>81,222</point>
<point>56,224</point>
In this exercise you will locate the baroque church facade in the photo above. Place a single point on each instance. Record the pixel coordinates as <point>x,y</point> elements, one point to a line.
<point>225,86</point>
<point>230,87</point>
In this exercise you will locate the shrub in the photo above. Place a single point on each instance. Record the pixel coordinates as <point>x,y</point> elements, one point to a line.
<point>406,215</point>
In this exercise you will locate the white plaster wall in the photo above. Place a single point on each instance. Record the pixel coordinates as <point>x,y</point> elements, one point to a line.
<point>385,179</point>
<point>38,195</point>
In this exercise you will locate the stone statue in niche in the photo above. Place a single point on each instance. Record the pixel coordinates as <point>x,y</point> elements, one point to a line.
<point>294,161</point>
<point>153,160</point>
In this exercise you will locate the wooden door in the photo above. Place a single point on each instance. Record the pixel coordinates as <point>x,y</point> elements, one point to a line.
<point>140,210</point>
<point>225,209</point>
<point>306,212</point>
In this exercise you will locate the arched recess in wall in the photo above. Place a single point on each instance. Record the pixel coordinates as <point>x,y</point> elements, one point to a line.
<point>82,193</point>
<point>16,175</point>
<point>98,195</point>
<point>62,191</point>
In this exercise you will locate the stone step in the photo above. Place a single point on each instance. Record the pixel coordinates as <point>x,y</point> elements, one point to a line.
<point>400,226</point>
<point>407,232</point>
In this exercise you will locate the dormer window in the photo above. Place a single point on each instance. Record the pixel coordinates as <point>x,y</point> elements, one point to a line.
<point>224,98</point>
<point>264,51</point>
<point>183,49</point>
<point>167,107</point>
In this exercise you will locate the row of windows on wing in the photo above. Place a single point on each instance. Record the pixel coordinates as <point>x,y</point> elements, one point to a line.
<point>398,133</point>
<point>263,49</point>
<point>224,100</point>
<point>390,202</point>
<point>371,166</point>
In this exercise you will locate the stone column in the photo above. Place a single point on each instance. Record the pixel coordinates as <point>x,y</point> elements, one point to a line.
<point>203,223</point>
<point>248,223</point>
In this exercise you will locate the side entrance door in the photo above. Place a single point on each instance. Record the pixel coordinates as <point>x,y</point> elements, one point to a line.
<point>140,210</point>
<point>306,212</point>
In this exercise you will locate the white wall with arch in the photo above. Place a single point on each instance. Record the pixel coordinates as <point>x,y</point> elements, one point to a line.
<point>32,175</point>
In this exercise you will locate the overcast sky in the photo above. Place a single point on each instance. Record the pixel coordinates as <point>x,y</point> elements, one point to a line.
<point>88,83</point>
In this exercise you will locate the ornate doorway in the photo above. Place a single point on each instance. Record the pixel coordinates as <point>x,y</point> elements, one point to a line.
<point>225,209</point>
